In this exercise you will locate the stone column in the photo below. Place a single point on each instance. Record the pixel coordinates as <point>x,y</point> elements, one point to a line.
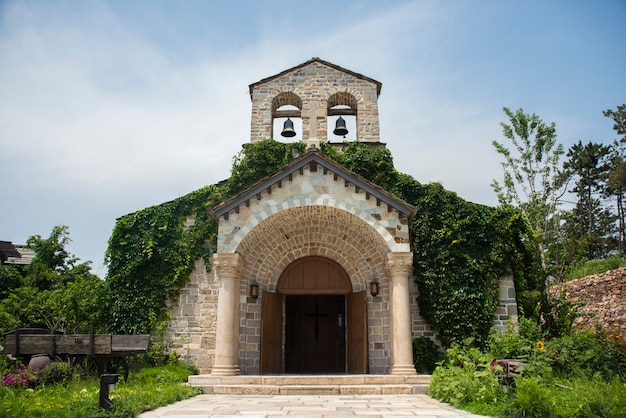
<point>399,269</point>
<point>228,269</point>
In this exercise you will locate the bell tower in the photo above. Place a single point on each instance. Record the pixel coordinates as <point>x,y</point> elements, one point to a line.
<point>316,101</point>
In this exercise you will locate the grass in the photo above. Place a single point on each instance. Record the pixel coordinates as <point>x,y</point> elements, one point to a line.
<point>146,390</point>
<point>571,397</point>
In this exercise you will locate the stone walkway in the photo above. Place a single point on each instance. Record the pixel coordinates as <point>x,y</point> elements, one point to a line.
<point>307,406</point>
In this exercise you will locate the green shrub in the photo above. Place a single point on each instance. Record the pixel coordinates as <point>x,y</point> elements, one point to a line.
<point>56,372</point>
<point>20,378</point>
<point>532,397</point>
<point>597,266</point>
<point>426,355</point>
<point>158,354</point>
<point>568,398</point>
<point>466,376</point>
<point>514,345</point>
<point>588,352</point>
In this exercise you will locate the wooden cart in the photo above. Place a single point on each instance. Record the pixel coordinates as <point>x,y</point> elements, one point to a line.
<point>98,352</point>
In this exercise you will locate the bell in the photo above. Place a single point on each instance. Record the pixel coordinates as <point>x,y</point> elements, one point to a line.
<point>340,127</point>
<point>288,131</point>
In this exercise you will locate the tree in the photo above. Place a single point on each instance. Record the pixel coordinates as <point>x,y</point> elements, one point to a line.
<point>590,223</point>
<point>616,185</point>
<point>55,291</point>
<point>532,181</point>
<point>619,119</point>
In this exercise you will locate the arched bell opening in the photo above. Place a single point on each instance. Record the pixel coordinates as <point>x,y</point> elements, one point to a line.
<point>287,117</point>
<point>342,118</point>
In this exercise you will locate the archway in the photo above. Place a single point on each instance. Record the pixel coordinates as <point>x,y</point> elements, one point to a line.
<point>320,319</point>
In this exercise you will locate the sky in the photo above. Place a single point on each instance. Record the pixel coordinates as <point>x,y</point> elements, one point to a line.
<point>108,107</point>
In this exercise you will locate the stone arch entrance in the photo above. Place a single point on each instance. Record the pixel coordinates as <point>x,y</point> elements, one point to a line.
<point>314,322</point>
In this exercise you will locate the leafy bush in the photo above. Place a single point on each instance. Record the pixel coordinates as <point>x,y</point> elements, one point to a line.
<point>20,378</point>
<point>158,355</point>
<point>466,376</point>
<point>580,374</point>
<point>600,265</point>
<point>588,352</point>
<point>56,372</point>
<point>426,355</point>
<point>568,398</point>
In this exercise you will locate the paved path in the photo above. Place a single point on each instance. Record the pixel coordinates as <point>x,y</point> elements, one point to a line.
<point>331,406</point>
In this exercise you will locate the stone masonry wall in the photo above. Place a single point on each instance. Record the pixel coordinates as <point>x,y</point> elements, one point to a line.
<point>506,312</point>
<point>604,299</point>
<point>191,327</point>
<point>314,84</point>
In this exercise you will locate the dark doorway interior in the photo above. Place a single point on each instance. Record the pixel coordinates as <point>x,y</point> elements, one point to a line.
<point>315,334</point>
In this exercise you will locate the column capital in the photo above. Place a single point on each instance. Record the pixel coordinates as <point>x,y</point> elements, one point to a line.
<point>228,264</point>
<point>399,263</point>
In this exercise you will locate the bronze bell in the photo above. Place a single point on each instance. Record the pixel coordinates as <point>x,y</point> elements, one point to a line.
<point>340,127</point>
<point>288,131</point>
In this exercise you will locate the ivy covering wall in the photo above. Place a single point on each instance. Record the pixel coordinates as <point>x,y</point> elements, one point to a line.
<point>460,248</point>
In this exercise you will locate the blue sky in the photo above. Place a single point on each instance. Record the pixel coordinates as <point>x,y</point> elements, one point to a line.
<point>107,107</point>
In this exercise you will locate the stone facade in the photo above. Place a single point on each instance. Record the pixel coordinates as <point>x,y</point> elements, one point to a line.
<point>314,88</point>
<point>311,208</point>
<point>506,312</point>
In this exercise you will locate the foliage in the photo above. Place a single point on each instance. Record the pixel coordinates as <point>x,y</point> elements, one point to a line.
<point>150,255</point>
<point>371,162</point>
<point>588,226</point>
<point>578,375</point>
<point>531,173</point>
<point>619,118</point>
<point>426,355</point>
<point>259,160</point>
<point>55,291</point>
<point>460,251</point>
<point>556,315</point>
<point>145,390</point>
<point>150,388</point>
<point>588,352</point>
<point>514,345</point>
<point>567,398</point>
<point>157,355</point>
<point>152,251</point>
<point>10,278</point>
<point>20,378</point>
<point>55,372</point>
<point>586,268</point>
<point>467,375</point>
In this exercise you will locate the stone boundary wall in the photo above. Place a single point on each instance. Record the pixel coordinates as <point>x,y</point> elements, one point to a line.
<point>604,296</point>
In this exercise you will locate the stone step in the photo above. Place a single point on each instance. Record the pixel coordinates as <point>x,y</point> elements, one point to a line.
<point>311,385</point>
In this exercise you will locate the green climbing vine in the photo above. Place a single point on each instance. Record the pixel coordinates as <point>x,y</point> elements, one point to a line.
<point>460,249</point>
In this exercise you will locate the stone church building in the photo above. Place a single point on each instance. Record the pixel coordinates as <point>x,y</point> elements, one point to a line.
<point>313,267</point>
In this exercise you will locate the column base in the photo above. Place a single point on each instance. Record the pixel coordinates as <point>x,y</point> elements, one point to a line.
<point>406,370</point>
<point>225,371</point>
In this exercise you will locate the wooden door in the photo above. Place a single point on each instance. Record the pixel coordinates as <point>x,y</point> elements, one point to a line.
<point>357,332</point>
<point>271,333</point>
<point>314,334</point>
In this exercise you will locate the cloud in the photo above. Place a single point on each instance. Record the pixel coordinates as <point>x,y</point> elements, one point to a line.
<point>110,107</point>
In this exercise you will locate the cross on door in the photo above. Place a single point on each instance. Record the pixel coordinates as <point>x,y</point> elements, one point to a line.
<point>317,315</point>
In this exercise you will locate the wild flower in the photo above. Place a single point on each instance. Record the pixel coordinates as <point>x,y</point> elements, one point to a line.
<point>21,378</point>
<point>540,346</point>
